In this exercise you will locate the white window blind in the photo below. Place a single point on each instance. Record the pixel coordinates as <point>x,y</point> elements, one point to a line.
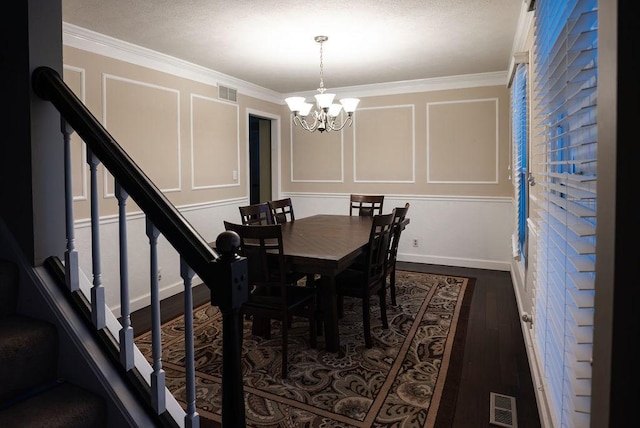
<point>564,202</point>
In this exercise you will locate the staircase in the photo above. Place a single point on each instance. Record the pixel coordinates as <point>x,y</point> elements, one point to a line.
<point>31,392</point>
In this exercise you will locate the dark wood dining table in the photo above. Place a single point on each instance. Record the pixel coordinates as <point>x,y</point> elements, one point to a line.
<point>326,245</point>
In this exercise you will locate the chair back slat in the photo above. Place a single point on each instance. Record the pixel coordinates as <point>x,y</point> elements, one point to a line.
<point>379,238</point>
<point>256,214</point>
<point>399,216</point>
<point>400,221</point>
<point>282,210</point>
<point>262,246</point>
<point>366,205</point>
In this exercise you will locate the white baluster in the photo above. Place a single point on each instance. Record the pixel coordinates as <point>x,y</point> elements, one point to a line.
<point>126,332</point>
<point>158,375</point>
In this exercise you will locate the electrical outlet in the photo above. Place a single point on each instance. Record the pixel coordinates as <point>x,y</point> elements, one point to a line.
<point>415,242</point>
<point>159,274</point>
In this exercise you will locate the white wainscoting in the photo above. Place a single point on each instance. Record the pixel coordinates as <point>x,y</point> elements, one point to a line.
<point>460,231</point>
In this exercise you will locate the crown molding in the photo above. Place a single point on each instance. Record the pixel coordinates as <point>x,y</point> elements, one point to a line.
<point>91,41</point>
<point>420,85</point>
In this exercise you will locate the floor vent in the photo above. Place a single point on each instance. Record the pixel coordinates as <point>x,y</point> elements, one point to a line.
<point>503,411</point>
<point>228,94</point>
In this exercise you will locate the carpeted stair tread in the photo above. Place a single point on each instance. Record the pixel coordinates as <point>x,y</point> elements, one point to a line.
<point>28,354</point>
<point>8,287</point>
<point>31,395</point>
<point>63,405</point>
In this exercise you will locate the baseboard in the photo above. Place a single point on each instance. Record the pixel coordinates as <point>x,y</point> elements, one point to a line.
<point>456,262</point>
<point>170,308</point>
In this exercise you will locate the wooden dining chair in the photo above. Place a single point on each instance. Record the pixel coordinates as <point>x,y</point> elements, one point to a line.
<point>398,225</point>
<point>366,205</point>
<point>256,214</point>
<point>281,210</point>
<point>271,296</point>
<point>370,279</point>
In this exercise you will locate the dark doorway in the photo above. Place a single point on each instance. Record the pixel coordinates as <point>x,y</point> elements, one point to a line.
<point>259,159</point>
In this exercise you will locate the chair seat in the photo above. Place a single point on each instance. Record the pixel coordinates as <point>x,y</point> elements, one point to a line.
<point>292,277</point>
<point>352,281</point>
<point>349,282</point>
<point>296,297</point>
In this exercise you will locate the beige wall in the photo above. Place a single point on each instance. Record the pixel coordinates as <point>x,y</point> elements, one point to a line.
<point>446,142</point>
<point>186,139</point>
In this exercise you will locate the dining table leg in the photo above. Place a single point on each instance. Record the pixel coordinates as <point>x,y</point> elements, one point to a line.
<point>329,305</point>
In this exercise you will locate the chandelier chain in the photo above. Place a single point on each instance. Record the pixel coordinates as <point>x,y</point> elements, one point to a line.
<point>321,89</point>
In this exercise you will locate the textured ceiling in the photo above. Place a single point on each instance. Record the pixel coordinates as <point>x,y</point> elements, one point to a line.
<point>270,43</point>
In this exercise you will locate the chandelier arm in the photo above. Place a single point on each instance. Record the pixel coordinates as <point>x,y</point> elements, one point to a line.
<point>304,124</point>
<point>345,122</point>
<point>307,127</point>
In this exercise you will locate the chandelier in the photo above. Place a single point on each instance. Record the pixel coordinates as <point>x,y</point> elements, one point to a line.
<point>326,113</point>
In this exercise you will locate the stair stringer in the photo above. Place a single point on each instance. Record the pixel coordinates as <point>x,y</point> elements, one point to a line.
<point>83,360</point>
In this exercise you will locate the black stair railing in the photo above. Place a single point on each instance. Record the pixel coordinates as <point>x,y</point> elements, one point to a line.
<point>224,274</point>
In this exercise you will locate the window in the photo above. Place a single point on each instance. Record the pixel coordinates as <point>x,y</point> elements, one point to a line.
<point>563,159</point>
<point>519,124</point>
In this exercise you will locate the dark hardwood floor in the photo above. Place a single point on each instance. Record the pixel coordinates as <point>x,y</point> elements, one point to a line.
<point>495,358</point>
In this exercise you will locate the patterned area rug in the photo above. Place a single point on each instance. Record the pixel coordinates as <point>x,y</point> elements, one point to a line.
<point>400,382</point>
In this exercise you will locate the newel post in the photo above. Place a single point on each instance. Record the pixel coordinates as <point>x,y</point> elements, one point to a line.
<point>229,297</point>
